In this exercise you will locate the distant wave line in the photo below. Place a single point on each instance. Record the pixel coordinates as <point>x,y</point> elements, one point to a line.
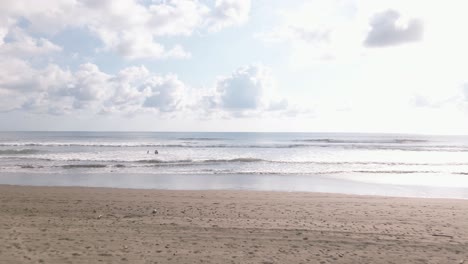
<point>393,171</point>
<point>396,141</point>
<point>246,160</point>
<point>202,139</point>
<point>441,148</point>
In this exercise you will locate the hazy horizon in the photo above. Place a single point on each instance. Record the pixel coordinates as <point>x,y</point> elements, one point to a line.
<point>253,132</point>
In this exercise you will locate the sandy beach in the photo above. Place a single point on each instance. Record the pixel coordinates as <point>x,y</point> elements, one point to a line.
<point>99,225</point>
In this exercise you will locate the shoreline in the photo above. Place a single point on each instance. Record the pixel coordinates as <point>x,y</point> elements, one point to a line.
<point>382,196</point>
<point>112,225</point>
<point>234,182</point>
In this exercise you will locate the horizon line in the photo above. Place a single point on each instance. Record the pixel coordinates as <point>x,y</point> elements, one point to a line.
<point>259,132</point>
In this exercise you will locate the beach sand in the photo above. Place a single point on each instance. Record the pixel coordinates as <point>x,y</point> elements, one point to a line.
<point>98,225</point>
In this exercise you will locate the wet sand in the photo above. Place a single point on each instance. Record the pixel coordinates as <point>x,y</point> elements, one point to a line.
<point>99,225</point>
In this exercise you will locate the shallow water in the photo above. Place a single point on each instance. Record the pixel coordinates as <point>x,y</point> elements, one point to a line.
<point>386,164</point>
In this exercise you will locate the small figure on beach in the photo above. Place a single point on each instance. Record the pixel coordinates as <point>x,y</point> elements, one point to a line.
<point>147,152</point>
<point>156,151</point>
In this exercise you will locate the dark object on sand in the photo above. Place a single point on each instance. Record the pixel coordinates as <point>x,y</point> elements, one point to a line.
<point>156,152</point>
<point>442,235</point>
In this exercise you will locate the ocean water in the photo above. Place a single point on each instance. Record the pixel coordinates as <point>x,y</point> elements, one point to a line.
<point>380,164</point>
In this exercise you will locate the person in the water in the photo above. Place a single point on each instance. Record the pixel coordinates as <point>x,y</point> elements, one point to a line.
<point>156,152</point>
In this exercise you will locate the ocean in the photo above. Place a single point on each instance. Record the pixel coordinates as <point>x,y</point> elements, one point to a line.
<point>375,164</point>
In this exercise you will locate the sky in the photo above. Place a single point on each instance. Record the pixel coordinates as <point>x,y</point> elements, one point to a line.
<point>234,65</point>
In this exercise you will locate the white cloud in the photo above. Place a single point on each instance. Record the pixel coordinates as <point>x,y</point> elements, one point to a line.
<point>128,27</point>
<point>131,29</point>
<point>318,31</point>
<point>89,85</point>
<point>56,91</point>
<point>176,17</point>
<point>430,102</point>
<point>278,105</point>
<point>164,93</point>
<point>248,91</point>
<point>465,91</point>
<point>14,42</point>
<point>228,13</point>
<point>388,29</point>
<point>16,74</point>
<point>243,89</point>
<point>140,46</point>
<point>27,88</point>
<point>178,52</point>
<point>326,30</point>
<point>421,101</point>
<point>125,97</point>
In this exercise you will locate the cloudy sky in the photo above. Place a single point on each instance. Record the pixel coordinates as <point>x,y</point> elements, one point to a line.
<point>234,65</point>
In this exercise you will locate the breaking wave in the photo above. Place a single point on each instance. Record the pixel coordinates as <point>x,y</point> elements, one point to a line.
<point>18,151</point>
<point>371,141</point>
<point>156,161</point>
<point>129,162</point>
<point>150,145</point>
<point>73,166</point>
<point>236,160</point>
